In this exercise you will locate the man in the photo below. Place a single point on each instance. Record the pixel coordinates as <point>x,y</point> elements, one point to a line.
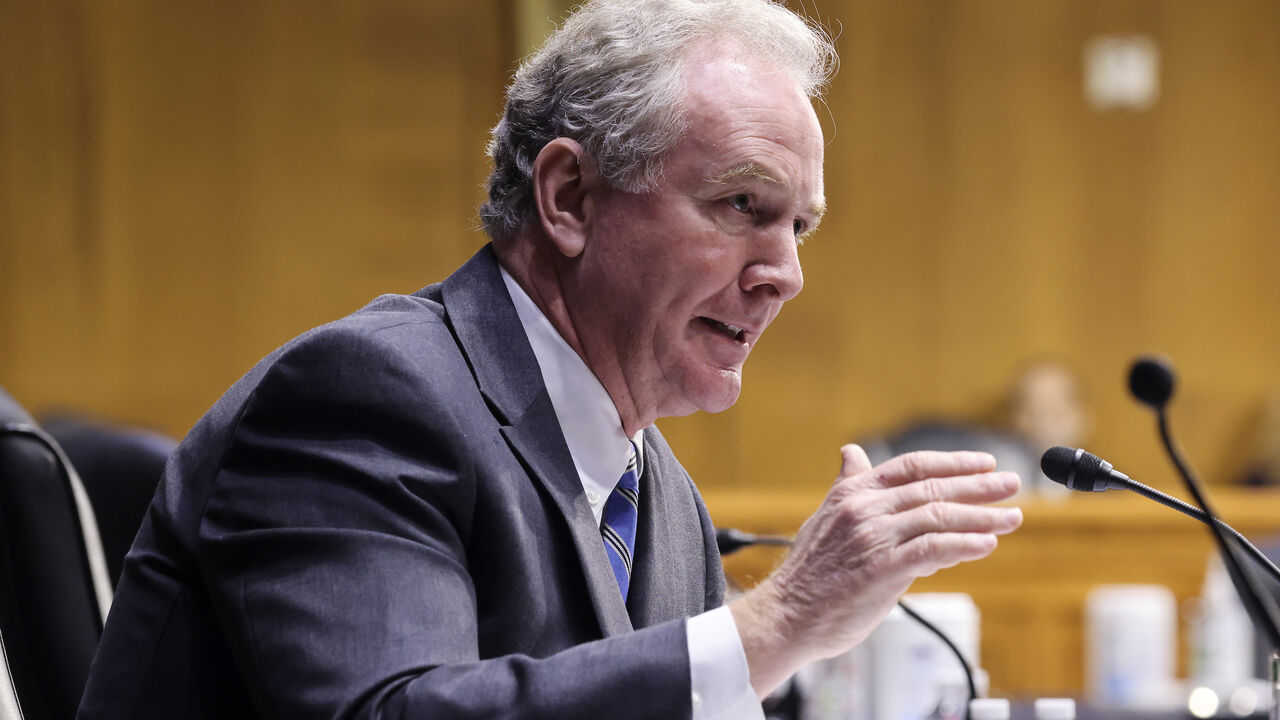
<point>454,504</point>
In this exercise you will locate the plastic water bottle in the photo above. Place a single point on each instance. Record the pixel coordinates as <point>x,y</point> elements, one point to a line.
<point>1130,646</point>
<point>1223,641</point>
<point>909,668</point>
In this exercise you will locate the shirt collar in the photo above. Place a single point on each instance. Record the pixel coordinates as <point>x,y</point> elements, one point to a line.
<point>588,418</point>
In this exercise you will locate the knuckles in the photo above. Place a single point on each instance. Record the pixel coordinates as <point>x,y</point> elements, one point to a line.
<point>923,553</point>
<point>931,490</point>
<point>870,533</point>
<point>938,514</point>
<point>914,464</point>
<point>850,503</point>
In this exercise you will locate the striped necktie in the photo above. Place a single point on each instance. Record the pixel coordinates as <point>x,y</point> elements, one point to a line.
<point>618,525</point>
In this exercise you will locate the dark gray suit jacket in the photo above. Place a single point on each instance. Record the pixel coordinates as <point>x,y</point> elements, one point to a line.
<point>382,519</point>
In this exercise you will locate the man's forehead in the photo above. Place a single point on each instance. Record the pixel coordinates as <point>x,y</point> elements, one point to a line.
<point>745,110</point>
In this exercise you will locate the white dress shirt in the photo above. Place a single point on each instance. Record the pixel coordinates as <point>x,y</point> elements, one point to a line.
<point>593,431</point>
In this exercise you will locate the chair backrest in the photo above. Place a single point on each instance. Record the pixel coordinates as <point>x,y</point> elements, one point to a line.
<point>54,589</point>
<point>9,707</point>
<point>120,468</point>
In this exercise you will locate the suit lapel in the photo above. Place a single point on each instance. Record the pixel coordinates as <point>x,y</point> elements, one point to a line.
<point>661,577</point>
<point>548,459</point>
<point>506,370</point>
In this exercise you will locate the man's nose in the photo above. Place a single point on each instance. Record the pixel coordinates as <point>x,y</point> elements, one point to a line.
<point>775,267</point>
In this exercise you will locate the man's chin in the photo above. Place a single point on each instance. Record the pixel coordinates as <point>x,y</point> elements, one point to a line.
<point>720,392</point>
<point>700,388</point>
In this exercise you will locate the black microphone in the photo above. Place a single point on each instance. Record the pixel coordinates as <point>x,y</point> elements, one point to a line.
<point>731,540</point>
<point>1086,472</point>
<point>1151,381</point>
<point>1080,470</point>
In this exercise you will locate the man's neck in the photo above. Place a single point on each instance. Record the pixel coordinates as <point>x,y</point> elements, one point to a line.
<point>586,414</point>
<point>535,269</point>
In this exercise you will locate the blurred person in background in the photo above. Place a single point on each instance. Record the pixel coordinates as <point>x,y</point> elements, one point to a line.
<point>1048,406</point>
<point>1045,405</point>
<point>1263,468</point>
<point>454,504</point>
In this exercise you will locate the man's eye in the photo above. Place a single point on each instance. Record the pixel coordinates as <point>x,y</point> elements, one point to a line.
<point>740,202</point>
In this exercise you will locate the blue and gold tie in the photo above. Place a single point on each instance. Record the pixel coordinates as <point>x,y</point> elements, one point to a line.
<point>618,525</point>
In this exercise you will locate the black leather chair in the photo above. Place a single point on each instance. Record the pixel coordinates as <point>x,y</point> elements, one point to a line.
<point>54,588</point>
<point>9,707</point>
<point>120,468</point>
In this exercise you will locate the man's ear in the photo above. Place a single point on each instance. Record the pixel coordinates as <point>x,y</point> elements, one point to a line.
<point>560,195</point>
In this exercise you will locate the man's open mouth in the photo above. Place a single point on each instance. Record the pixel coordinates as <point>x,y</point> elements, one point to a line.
<point>732,331</point>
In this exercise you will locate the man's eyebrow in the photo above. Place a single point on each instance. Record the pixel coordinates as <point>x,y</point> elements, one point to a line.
<point>819,209</point>
<point>751,170</point>
<point>756,171</point>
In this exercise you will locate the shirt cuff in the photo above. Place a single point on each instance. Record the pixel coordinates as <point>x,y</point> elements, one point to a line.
<point>718,670</point>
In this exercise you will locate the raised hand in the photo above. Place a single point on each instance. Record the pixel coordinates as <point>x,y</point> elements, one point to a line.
<point>877,530</point>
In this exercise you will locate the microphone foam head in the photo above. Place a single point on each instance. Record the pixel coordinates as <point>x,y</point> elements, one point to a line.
<point>1151,381</point>
<point>1074,468</point>
<point>1056,463</point>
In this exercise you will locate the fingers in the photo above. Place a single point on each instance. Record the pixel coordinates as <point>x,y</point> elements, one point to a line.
<point>975,489</point>
<point>880,528</point>
<point>929,553</point>
<point>923,464</point>
<point>853,461</point>
<point>952,518</point>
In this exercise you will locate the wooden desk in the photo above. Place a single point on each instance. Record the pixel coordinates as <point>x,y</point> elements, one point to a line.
<point>1031,590</point>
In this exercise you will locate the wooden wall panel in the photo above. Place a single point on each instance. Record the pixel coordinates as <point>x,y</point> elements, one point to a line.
<point>186,186</point>
<point>983,215</point>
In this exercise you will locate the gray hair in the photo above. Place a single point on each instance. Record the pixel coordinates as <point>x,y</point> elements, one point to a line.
<point>611,78</point>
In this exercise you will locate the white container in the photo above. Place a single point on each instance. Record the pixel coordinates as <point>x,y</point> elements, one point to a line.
<point>1055,709</point>
<point>907,666</point>
<point>837,688</point>
<point>1222,644</point>
<point>1131,636</point>
<point>989,709</point>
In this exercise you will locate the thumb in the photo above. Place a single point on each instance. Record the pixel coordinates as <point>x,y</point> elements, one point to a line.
<point>853,460</point>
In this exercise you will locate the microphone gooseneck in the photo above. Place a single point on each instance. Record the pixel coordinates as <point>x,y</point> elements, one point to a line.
<point>1059,470</point>
<point>1152,382</point>
<point>731,540</point>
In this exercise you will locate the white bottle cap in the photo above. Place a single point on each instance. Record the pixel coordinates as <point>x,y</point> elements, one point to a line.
<point>1055,709</point>
<point>989,709</point>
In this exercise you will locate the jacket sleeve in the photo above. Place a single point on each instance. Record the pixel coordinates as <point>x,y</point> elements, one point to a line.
<point>334,548</point>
